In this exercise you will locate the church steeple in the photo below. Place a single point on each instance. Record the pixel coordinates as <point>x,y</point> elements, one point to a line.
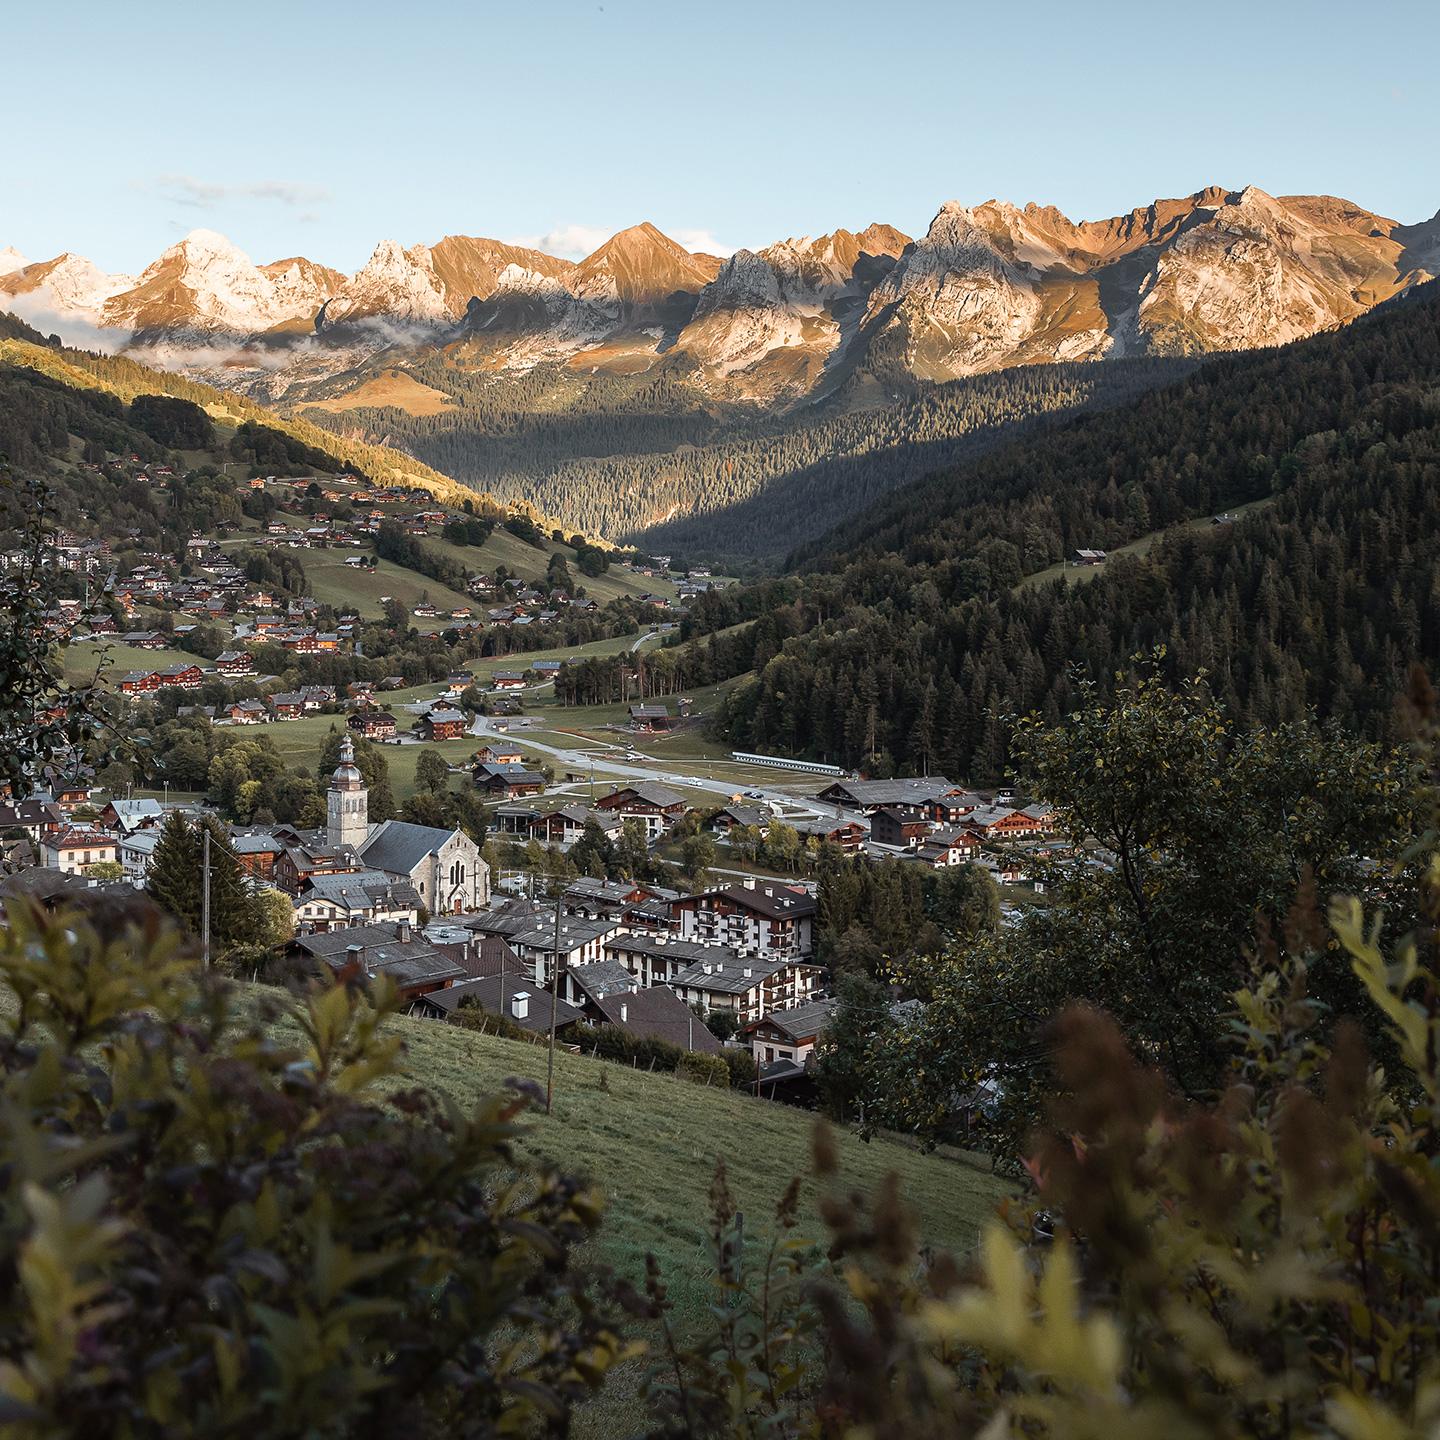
<point>347,802</point>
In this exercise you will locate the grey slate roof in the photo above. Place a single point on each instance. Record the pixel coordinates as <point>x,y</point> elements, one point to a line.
<point>729,977</point>
<point>397,847</point>
<point>408,962</point>
<point>909,790</point>
<point>491,992</point>
<point>363,889</point>
<point>800,1022</point>
<point>603,977</point>
<point>658,1014</point>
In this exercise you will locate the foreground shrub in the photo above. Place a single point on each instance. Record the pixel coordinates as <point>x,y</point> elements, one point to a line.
<point>1266,1265</point>
<point>211,1225</point>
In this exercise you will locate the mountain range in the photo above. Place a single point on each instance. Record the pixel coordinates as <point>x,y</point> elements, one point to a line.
<point>986,288</point>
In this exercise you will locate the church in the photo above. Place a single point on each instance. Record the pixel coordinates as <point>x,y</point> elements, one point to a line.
<point>444,866</point>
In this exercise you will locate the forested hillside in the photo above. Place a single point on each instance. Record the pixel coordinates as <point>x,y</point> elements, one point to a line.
<point>911,639</point>
<point>115,375</point>
<point>640,461</point>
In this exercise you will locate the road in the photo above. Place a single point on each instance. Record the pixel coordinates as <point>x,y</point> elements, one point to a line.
<point>587,760</point>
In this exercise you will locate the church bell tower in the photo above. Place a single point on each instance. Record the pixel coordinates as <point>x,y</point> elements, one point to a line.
<point>347,801</point>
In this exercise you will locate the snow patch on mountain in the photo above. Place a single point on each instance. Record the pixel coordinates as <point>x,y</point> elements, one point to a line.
<point>396,283</point>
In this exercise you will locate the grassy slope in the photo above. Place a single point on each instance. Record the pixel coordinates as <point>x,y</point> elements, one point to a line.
<point>81,660</point>
<point>652,1141</point>
<point>503,548</point>
<point>333,582</point>
<point>1080,574</point>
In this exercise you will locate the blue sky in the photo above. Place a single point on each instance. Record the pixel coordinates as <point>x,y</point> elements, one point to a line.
<point>319,128</point>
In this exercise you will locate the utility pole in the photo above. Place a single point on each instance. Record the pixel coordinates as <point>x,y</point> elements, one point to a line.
<point>205,897</point>
<point>554,1007</point>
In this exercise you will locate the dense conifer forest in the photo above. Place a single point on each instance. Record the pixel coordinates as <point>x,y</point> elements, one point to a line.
<point>909,635</point>
<point>654,464</point>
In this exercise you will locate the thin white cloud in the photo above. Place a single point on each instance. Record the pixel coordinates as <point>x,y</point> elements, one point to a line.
<point>575,241</point>
<point>702,242</point>
<point>73,330</point>
<point>200,194</point>
<point>571,242</point>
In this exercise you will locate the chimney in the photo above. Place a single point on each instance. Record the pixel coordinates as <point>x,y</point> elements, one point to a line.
<point>354,957</point>
<point>624,1012</point>
<point>402,930</point>
<point>520,1004</point>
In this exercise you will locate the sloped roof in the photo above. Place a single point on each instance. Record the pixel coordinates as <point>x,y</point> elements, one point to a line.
<point>362,889</point>
<point>409,962</point>
<point>397,847</point>
<point>799,1022</point>
<point>657,1014</point>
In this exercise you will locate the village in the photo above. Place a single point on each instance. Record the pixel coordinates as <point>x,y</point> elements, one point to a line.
<point>731,962</point>
<point>422,906</point>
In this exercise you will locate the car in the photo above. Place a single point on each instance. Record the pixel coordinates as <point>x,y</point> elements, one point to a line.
<point>754,794</point>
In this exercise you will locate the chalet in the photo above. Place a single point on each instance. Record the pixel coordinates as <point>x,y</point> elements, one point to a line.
<point>656,806</point>
<point>944,848</point>
<point>145,640</point>
<point>1088,557</point>
<point>235,663</point>
<point>849,835</point>
<point>75,849</point>
<point>605,899</point>
<point>362,952</point>
<point>425,611</point>
<point>789,1034</point>
<point>738,817</point>
<point>994,823</point>
<point>952,809</point>
<point>756,917</point>
<point>247,712</point>
<point>372,724</point>
<point>125,817</point>
<point>746,988</point>
<point>526,1005</point>
<point>507,782</point>
<point>364,897</point>
<point>546,669</point>
<point>653,1014</point>
<point>287,705</point>
<point>71,796</point>
<point>136,853</point>
<point>658,959</point>
<point>1043,815</point>
<point>532,933</point>
<point>181,677</point>
<point>444,724</point>
<point>257,851</point>
<point>649,718</point>
<point>563,827</point>
<point>316,697</point>
<point>910,796</point>
<point>138,682</point>
<point>499,755</point>
<point>514,818</point>
<point>34,816</point>
<point>508,680</point>
<point>895,827</point>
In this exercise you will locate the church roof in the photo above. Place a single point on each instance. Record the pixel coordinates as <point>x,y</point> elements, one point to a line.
<point>397,847</point>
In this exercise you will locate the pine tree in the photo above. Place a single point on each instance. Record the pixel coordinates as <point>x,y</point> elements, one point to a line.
<point>173,879</point>
<point>233,912</point>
